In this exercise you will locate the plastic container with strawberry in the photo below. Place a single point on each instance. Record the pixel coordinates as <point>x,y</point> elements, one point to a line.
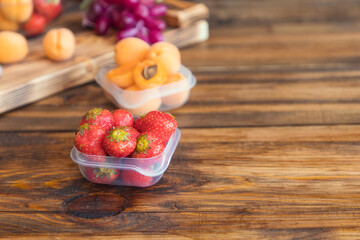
<point>146,77</point>
<point>113,148</point>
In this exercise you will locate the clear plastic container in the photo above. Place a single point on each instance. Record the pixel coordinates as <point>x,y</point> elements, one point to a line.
<point>163,98</point>
<point>137,172</point>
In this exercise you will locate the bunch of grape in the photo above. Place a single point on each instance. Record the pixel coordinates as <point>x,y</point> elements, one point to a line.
<point>131,18</point>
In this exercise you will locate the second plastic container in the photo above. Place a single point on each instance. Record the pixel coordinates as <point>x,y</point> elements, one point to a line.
<point>162,98</point>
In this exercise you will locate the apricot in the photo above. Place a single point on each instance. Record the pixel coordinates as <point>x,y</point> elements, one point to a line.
<point>17,10</point>
<point>7,25</point>
<point>149,74</point>
<point>166,53</point>
<point>180,98</point>
<point>130,49</point>
<point>13,47</point>
<point>150,105</point>
<point>59,44</point>
<point>122,76</point>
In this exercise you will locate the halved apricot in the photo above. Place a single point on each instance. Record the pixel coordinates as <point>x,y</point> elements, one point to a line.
<point>149,74</point>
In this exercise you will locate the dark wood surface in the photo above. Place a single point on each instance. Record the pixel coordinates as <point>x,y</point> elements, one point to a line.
<point>269,147</point>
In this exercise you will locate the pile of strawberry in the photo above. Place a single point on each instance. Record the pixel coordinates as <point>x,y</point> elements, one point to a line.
<point>116,134</point>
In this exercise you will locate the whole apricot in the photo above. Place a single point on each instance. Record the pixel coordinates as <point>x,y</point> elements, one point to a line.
<point>59,44</point>
<point>179,98</point>
<point>166,53</point>
<point>130,49</point>
<point>7,25</point>
<point>17,10</point>
<point>13,47</point>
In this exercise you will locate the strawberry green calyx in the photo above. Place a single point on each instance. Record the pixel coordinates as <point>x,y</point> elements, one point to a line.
<point>101,172</point>
<point>170,115</point>
<point>118,134</point>
<point>82,128</point>
<point>143,144</point>
<point>93,112</point>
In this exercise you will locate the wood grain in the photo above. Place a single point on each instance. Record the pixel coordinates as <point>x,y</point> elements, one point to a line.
<point>251,169</point>
<point>223,99</point>
<point>269,147</point>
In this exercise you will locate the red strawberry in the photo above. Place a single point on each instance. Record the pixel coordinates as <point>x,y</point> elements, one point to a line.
<point>89,139</point>
<point>120,142</point>
<point>122,118</point>
<point>134,133</point>
<point>99,116</point>
<point>161,123</point>
<point>101,175</point>
<point>133,178</point>
<point>49,9</point>
<point>138,124</point>
<point>35,25</point>
<point>147,146</point>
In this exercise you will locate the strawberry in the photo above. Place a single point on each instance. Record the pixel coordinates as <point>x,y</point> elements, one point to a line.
<point>138,124</point>
<point>89,139</point>
<point>99,116</point>
<point>120,142</point>
<point>35,25</point>
<point>122,118</point>
<point>49,9</point>
<point>147,146</point>
<point>133,132</point>
<point>101,175</point>
<point>133,178</point>
<point>161,123</point>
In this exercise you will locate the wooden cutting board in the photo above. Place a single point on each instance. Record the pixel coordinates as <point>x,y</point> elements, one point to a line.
<point>37,77</point>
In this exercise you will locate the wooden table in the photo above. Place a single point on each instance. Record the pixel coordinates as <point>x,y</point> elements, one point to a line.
<point>269,147</point>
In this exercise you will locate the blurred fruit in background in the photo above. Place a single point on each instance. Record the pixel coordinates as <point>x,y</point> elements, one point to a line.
<point>130,18</point>
<point>28,16</point>
<point>49,9</point>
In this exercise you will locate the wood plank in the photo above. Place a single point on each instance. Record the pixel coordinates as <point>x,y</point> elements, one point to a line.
<point>223,99</point>
<point>277,181</point>
<point>240,163</point>
<point>263,12</point>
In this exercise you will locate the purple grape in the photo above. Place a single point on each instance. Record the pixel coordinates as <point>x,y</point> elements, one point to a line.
<point>95,10</point>
<point>128,19</point>
<point>147,2</point>
<point>140,24</point>
<point>102,25</point>
<point>141,11</point>
<point>128,32</point>
<point>155,24</point>
<point>130,3</point>
<point>156,36</point>
<point>116,18</point>
<point>158,10</point>
<point>86,22</point>
<point>143,34</point>
<point>115,2</point>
